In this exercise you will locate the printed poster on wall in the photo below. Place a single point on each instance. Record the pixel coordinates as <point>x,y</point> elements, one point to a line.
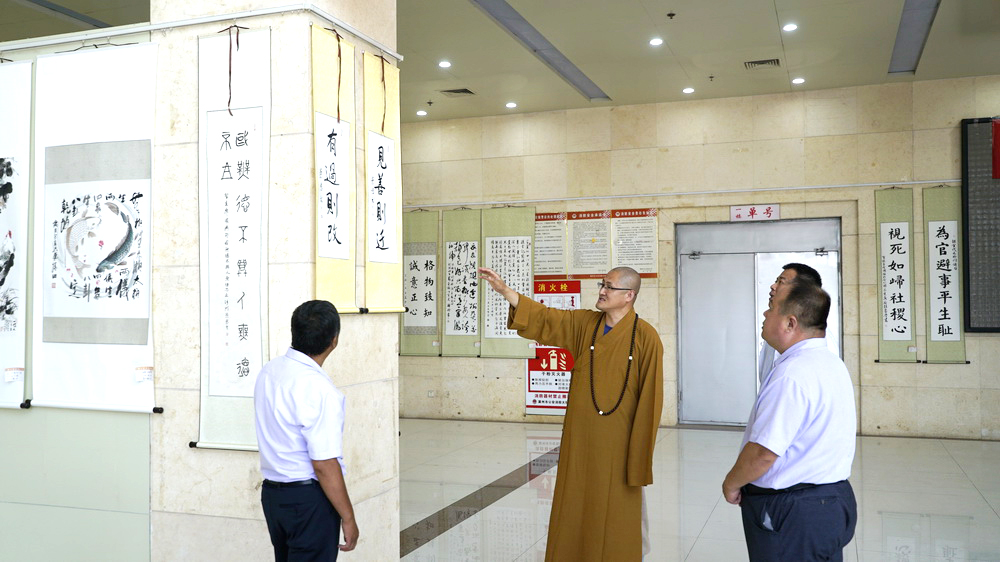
<point>589,242</point>
<point>550,244</point>
<point>15,173</point>
<point>897,304</point>
<point>237,243</point>
<point>380,169</point>
<point>548,374</point>
<point>334,180</point>
<point>634,240</point>
<point>509,256</point>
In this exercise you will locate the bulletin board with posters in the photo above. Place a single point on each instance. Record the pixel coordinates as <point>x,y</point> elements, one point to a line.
<point>587,244</point>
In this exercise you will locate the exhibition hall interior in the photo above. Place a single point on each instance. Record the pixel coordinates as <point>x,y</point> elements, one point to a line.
<point>176,177</point>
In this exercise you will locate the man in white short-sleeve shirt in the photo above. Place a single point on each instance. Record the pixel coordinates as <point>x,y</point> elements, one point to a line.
<point>790,478</point>
<point>299,417</point>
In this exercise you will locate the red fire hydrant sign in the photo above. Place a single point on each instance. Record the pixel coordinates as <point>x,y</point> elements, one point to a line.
<point>547,375</point>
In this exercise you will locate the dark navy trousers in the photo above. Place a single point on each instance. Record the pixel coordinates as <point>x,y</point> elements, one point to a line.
<point>303,524</point>
<point>800,525</point>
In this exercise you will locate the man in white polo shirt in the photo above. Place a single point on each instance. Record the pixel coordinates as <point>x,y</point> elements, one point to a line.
<point>300,423</point>
<point>790,478</point>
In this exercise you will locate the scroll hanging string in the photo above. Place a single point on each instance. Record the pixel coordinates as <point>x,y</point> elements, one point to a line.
<point>340,67</point>
<point>385,98</point>
<point>340,71</point>
<point>230,30</point>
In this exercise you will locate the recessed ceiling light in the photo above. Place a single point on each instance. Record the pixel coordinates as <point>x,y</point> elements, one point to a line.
<point>790,27</point>
<point>444,64</point>
<point>798,80</point>
<point>688,90</point>
<point>421,113</point>
<point>511,105</point>
<point>656,41</point>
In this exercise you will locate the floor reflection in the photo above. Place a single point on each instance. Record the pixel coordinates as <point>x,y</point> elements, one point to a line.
<point>482,491</point>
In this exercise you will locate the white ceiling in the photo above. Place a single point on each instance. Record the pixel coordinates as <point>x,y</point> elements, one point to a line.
<point>838,43</point>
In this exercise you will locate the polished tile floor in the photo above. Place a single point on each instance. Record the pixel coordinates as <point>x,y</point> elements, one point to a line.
<point>482,491</point>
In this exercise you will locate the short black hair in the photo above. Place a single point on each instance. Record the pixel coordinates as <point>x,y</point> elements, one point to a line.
<point>314,325</point>
<point>809,303</point>
<point>804,273</point>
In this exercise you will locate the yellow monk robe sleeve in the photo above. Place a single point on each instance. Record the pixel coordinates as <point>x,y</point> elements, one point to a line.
<point>639,470</point>
<point>547,326</point>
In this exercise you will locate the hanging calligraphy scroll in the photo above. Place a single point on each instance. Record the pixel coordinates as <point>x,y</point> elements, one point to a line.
<point>462,232</point>
<point>507,234</point>
<point>419,334</point>
<point>234,103</point>
<point>336,189</point>
<point>942,213</point>
<point>92,336</point>
<point>894,214</point>
<point>15,175</point>
<point>382,188</point>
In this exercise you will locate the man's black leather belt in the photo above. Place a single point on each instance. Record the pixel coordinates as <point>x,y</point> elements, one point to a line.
<point>273,484</point>
<point>752,490</point>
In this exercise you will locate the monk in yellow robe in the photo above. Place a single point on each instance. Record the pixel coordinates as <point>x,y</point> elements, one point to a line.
<point>613,411</point>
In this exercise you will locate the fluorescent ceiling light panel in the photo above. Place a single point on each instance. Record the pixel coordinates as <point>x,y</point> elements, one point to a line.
<point>914,27</point>
<point>509,19</point>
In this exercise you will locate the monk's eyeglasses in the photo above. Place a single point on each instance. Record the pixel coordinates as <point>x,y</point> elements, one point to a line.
<point>602,285</point>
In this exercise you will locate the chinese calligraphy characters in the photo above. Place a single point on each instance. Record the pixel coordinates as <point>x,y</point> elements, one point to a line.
<point>942,280</point>
<point>897,307</point>
<point>334,183</point>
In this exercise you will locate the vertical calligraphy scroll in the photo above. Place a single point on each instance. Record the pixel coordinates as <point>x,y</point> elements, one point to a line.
<point>462,232</point>
<point>419,334</point>
<point>15,173</point>
<point>382,187</point>
<point>336,185</point>
<point>508,256</point>
<point>236,208</point>
<point>234,104</point>
<point>945,336</point>
<point>507,248</point>
<point>92,335</point>
<point>894,213</point>
<point>461,300</point>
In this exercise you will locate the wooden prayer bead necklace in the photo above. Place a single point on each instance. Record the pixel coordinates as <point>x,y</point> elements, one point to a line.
<point>628,369</point>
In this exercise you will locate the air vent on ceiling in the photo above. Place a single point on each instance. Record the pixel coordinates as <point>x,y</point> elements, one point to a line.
<point>765,63</point>
<point>458,92</point>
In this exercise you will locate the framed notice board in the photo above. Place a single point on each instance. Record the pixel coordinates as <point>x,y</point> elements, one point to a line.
<point>981,223</point>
